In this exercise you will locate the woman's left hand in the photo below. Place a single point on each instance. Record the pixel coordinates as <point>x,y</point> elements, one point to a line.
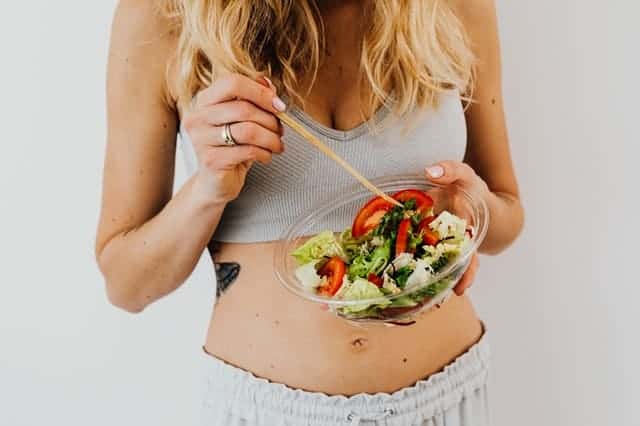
<point>449,172</point>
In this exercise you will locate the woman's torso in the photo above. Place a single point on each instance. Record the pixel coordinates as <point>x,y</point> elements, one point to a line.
<point>259,326</point>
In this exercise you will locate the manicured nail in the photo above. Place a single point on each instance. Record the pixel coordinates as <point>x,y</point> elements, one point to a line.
<point>279,104</point>
<point>435,171</point>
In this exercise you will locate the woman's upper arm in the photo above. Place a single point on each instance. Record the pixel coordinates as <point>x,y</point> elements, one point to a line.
<point>488,148</point>
<point>142,121</point>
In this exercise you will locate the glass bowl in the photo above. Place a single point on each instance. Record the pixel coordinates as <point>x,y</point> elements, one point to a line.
<point>336,213</point>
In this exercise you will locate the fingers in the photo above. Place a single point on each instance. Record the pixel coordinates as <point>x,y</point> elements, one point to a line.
<point>227,157</point>
<point>236,86</point>
<point>236,111</point>
<point>251,133</point>
<point>244,133</point>
<point>469,276</point>
<point>447,172</point>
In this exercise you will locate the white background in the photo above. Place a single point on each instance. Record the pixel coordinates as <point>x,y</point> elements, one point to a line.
<point>561,305</point>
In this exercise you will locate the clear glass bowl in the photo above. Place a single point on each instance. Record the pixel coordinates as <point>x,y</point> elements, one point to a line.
<point>336,213</point>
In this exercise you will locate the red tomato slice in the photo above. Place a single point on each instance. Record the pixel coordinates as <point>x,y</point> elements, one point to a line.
<point>402,238</point>
<point>427,220</point>
<point>429,237</point>
<point>334,270</point>
<point>423,201</point>
<point>369,216</point>
<point>373,278</point>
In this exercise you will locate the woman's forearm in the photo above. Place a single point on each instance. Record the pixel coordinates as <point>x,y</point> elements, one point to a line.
<point>506,222</point>
<point>148,262</point>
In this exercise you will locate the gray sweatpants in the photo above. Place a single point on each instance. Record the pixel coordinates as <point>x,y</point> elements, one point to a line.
<point>456,396</point>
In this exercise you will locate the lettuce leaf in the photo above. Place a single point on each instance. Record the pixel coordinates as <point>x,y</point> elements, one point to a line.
<point>370,263</point>
<point>317,247</point>
<point>308,276</point>
<point>361,289</point>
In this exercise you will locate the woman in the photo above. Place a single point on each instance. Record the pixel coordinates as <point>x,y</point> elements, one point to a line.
<point>342,68</point>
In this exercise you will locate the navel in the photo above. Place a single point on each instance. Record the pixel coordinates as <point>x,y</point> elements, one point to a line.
<point>359,344</point>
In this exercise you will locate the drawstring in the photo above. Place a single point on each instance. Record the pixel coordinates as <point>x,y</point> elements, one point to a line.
<point>355,419</point>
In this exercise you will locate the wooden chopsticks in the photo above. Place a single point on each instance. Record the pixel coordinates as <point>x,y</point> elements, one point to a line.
<point>287,119</point>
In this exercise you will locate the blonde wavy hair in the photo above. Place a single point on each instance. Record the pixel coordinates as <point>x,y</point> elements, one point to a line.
<point>412,50</point>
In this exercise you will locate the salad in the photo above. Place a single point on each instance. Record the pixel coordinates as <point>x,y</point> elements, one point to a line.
<point>388,250</point>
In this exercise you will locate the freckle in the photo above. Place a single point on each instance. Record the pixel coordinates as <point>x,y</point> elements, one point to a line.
<point>164,125</point>
<point>144,243</point>
<point>257,315</point>
<point>272,366</point>
<point>276,322</point>
<point>493,101</point>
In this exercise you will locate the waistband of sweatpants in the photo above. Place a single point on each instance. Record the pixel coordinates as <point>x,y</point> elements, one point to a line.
<point>235,389</point>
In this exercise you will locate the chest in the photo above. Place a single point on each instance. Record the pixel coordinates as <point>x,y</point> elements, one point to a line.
<point>275,195</point>
<point>403,146</point>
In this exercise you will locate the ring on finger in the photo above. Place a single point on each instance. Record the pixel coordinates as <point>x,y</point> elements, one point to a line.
<point>227,137</point>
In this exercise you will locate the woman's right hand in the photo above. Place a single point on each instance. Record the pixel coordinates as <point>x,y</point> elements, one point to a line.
<point>249,107</point>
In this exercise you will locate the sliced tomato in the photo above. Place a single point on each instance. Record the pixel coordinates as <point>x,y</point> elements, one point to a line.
<point>423,201</point>
<point>402,239</point>
<point>426,221</point>
<point>369,216</point>
<point>429,236</point>
<point>334,271</point>
<point>373,278</point>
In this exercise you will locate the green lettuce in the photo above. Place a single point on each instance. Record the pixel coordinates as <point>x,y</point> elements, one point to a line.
<point>323,244</point>
<point>431,290</point>
<point>361,289</point>
<point>354,246</point>
<point>370,263</point>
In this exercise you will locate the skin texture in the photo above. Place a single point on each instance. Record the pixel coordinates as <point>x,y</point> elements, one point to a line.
<point>148,242</point>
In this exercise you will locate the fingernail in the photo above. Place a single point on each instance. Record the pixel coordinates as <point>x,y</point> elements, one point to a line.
<point>435,171</point>
<point>271,85</point>
<point>279,104</point>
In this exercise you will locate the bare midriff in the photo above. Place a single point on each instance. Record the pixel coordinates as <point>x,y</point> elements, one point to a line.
<point>259,326</point>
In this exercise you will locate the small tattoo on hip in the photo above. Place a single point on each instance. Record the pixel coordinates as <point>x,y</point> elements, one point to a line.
<point>226,274</point>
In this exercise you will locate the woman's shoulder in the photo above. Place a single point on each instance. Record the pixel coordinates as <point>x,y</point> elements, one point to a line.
<point>474,14</point>
<point>146,39</point>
